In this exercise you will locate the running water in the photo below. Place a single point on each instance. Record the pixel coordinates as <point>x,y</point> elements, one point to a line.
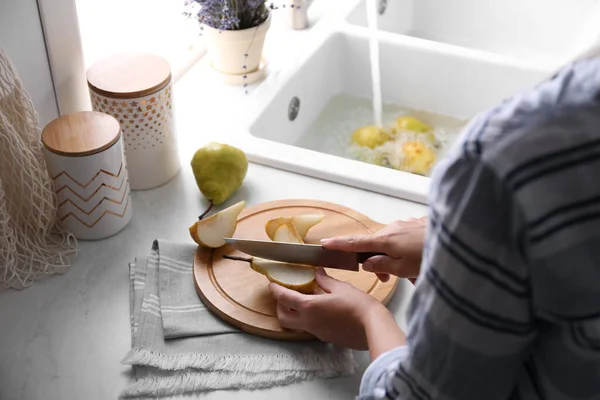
<point>374,55</point>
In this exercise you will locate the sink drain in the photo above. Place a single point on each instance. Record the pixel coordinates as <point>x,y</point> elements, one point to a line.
<point>293,108</point>
<point>382,6</point>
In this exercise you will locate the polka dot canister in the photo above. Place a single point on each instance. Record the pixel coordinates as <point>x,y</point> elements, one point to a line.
<point>136,89</point>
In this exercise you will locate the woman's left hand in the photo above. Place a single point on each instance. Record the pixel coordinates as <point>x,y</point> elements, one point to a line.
<point>338,316</point>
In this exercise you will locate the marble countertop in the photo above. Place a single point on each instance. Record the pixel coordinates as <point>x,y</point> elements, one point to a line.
<point>65,337</point>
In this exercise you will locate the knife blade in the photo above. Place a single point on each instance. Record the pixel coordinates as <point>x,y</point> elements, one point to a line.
<point>298,253</point>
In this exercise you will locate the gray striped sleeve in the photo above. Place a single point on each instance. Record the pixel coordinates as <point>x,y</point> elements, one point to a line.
<point>470,322</point>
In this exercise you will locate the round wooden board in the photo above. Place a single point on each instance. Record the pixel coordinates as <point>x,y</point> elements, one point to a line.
<point>240,296</point>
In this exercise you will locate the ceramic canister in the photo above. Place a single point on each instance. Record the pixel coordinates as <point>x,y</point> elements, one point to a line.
<point>136,89</point>
<point>85,159</point>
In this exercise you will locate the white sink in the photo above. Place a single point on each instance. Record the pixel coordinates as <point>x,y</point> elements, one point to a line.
<point>536,31</point>
<point>424,75</point>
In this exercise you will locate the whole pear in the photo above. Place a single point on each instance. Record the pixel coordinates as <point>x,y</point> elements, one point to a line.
<point>219,170</point>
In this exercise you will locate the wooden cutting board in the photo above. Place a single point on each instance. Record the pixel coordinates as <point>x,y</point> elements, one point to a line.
<point>239,295</point>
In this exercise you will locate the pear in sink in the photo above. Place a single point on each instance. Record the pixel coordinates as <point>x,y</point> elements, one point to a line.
<point>408,123</point>
<point>292,276</point>
<point>417,158</point>
<point>371,136</point>
<point>411,124</point>
<point>302,224</point>
<point>209,232</point>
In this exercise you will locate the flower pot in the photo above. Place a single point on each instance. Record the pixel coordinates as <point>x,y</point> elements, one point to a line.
<point>236,52</point>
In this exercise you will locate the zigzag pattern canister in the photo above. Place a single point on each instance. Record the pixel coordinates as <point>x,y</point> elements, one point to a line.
<point>92,184</point>
<point>136,89</point>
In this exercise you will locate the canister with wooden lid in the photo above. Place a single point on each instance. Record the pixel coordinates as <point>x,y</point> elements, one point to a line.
<point>136,89</point>
<point>85,159</point>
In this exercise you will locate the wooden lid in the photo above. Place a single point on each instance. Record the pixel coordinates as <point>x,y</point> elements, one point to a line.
<point>81,133</point>
<point>129,75</point>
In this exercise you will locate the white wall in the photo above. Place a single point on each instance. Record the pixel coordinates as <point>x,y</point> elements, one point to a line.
<point>22,38</point>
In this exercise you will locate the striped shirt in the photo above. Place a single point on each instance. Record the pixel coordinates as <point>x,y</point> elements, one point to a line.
<point>507,304</point>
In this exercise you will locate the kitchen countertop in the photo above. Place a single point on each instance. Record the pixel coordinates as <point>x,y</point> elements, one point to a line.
<point>65,336</point>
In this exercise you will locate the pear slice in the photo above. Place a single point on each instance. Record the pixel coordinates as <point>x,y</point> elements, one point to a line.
<point>287,233</point>
<point>302,223</point>
<point>297,277</point>
<point>293,276</point>
<point>210,232</point>
<point>274,223</point>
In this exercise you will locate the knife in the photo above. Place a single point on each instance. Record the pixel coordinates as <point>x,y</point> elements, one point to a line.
<point>298,253</point>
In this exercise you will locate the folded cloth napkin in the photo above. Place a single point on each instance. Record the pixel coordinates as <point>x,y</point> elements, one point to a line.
<point>179,346</point>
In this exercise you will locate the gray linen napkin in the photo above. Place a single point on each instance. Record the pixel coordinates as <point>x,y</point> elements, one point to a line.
<point>179,346</point>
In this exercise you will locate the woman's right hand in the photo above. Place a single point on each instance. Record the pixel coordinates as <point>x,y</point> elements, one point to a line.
<point>402,241</point>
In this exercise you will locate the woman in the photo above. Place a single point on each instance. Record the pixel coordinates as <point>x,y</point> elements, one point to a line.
<point>507,301</point>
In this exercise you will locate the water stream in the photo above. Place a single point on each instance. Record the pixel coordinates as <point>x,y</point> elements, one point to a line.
<point>374,58</point>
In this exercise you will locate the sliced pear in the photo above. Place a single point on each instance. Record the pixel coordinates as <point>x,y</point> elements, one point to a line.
<point>274,223</point>
<point>210,232</point>
<point>287,233</point>
<point>293,276</point>
<point>302,223</point>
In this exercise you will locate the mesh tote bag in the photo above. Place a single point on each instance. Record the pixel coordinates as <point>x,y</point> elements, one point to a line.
<point>31,242</point>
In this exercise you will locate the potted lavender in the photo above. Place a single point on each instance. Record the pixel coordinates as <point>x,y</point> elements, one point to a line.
<point>235,31</point>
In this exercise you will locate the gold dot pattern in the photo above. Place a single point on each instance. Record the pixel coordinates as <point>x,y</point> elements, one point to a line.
<point>145,121</point>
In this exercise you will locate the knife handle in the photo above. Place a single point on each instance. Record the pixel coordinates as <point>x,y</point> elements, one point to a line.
<point>362,257</point>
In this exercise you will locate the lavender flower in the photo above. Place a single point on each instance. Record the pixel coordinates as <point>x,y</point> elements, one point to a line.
<point>227,15</point>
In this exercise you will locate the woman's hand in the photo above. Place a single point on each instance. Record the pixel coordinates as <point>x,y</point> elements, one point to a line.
<point>337,316</point>
<point>402,241</point>
<point>342,315</point>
